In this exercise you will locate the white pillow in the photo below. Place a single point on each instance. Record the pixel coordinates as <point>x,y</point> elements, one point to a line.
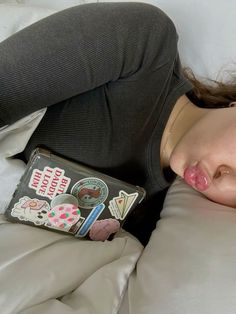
<point>206,34</point>
<point>47,4</point>
<point>15,17</point>
<point>189,263</point>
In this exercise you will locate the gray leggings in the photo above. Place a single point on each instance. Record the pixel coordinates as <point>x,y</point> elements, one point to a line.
<point>79,49</point>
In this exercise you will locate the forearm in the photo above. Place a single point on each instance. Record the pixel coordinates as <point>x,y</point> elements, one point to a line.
<point>74,51</point>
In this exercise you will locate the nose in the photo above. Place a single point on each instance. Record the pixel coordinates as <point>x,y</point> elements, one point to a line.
<point>225,178</point>
<point>222,170</point>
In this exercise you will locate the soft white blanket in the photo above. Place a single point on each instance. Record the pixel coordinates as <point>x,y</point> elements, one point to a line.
<point>13,139</point>
<point>46,272</point>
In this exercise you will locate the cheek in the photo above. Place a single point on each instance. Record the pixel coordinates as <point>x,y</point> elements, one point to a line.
<point>177,162</point>
<point>189,150</point>
<point>182,157</point>
<point>226,198</point>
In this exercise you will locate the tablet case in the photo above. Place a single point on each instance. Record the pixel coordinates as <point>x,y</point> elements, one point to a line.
<point>61,195</point>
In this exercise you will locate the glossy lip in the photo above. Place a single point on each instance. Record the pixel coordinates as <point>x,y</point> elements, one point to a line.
<point>197,177</point>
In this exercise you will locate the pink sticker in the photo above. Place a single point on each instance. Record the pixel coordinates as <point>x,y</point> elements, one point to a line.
<point>49,182</point>
<point>102,229</point>
<point>31,209</point>
<point>64,216</point>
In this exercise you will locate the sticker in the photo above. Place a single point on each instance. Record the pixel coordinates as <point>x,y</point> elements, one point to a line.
<point>64,216</point>
<point>64,199</point>
<point>114,211</point>
<point>119,206</point>
<point>49,182</point>
<point>31,209</point>
<point>101,230</point>
<point>90,192</point>
<point>74,229</point>
<point>92,217</point>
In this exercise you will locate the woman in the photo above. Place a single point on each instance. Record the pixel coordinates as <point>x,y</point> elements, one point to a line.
<point>117,101</point>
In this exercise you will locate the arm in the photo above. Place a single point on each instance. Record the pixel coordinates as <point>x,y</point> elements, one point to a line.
<point>77,50</point>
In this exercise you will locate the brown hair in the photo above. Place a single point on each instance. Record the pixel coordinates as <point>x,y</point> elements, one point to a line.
<point>211,93</point>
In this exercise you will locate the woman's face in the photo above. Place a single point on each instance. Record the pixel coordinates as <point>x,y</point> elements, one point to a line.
<point>206,156</point>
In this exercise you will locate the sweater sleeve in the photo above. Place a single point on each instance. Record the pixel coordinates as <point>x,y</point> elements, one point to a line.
<point>79,49</point>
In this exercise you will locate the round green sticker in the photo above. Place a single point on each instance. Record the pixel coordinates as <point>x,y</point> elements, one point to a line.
<point>90,192</point>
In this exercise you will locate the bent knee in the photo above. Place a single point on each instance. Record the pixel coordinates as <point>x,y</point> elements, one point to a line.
<point>153,14</point>
<point>157,24</point>
<point>161,35</point>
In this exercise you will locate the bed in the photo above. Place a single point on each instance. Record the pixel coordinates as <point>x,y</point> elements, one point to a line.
<point>189,263</point>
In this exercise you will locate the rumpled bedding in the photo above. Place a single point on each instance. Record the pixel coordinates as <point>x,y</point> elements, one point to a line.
<point>13,139</point>
<point>47,272</point>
